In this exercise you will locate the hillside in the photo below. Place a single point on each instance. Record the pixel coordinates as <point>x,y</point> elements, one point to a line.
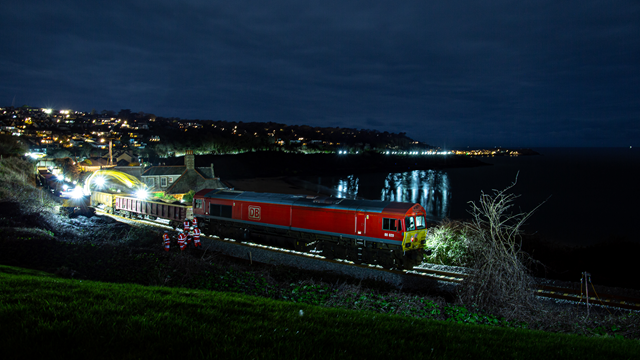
<point>101,249</point>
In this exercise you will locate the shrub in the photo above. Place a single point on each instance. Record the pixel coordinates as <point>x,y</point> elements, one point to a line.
<point>500,281</point>
<point>188,197</point>
<point>448,244</point>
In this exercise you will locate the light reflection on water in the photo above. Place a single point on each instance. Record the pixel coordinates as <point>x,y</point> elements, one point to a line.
<point>429,188</point>
<point>348,187</point>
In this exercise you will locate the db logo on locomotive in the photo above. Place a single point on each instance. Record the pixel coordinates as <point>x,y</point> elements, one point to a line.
<point>254,212</point>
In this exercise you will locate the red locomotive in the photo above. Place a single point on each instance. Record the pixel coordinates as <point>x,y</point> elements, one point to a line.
<point>386,233</point>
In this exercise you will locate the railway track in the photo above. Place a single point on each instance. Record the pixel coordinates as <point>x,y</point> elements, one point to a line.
<point>562,293</point>
<point>546,291</point>
<point>437,274</point>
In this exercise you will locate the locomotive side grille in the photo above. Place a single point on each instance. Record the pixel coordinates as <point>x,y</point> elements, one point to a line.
<point>220,210</point>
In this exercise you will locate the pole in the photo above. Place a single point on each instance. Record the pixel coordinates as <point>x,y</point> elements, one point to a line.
<point>586,286</point>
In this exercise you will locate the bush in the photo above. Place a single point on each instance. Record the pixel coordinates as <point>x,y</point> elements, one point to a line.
<point>17,179</point>
<point>188,197</point>
<point>448,244</point>
<point>500,281</point>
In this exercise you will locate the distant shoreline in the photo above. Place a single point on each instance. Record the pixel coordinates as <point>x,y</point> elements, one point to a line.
<point>252,165</point>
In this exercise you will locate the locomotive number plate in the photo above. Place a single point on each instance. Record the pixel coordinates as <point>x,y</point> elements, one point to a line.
<point>254,212</point>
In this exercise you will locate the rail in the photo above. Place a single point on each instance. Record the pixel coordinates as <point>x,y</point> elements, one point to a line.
<point>547,291</point>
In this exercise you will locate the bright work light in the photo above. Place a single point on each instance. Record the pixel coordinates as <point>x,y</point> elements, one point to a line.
<point>99,181</point>
<point>142,194</point>
<point>77,193</point>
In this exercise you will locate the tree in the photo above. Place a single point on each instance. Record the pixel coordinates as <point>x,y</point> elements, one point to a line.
<point>11,145</point>
<point>188,197</point>
<point>500,280</point>
<point>61,154</point>
<point>69,167</point>
<point>84,150</point>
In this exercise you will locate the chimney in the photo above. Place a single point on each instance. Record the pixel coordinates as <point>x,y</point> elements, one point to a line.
<point>189,160</point>
<point>213,174</point>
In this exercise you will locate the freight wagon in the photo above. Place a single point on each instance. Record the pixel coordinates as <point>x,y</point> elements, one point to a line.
<point>129,206</point>
<point>386,233</point>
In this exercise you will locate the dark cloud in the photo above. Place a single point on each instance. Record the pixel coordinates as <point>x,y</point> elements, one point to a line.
<point>454,73</point>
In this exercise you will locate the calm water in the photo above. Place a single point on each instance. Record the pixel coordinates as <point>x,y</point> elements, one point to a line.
<point>592,194</point>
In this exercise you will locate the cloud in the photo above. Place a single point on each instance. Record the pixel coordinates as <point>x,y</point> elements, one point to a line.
<point>487,71</point>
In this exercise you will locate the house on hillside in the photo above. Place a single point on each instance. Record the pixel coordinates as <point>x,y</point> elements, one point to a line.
<point>93,164</point>
<point>180,179</point>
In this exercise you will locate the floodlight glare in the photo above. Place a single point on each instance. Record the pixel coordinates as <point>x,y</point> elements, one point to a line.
<point>142,194</point>
<point>99,181</point>
<point>77,193</point>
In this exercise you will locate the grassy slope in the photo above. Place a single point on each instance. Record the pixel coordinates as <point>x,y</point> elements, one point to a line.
<point>45,316</point>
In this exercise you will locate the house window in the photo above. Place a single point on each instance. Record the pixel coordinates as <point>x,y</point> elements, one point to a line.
<point>163,181</point>
<point>151,182</point>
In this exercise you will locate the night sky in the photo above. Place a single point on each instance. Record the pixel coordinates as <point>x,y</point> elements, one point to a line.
<point>449,73</point>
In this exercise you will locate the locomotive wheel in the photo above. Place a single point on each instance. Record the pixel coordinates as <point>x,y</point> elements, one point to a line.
<point>369,256</point>
<point>386,262</point>
<point>340,252</point>
<point>355,255</point>
<point>327,252</point>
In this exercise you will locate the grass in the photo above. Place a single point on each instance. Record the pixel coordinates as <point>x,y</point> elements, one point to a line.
<point>45,316</point>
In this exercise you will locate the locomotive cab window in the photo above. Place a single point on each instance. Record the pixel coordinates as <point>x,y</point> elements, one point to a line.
<point>198,204</point>
<point>389,224</point>
<point>410,223</point>
<point>420,222</point>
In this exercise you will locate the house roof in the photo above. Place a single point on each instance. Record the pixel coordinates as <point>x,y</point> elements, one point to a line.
<point>98,162</point>
<point>164,170</point>
<point>206,172</point>
<point>194,180</point>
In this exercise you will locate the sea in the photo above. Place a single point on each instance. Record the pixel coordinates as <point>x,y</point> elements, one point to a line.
<point>579,196</point>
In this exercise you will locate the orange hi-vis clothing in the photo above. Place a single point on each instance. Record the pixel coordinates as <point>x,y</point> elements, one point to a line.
<point>186,225</point>
<point>196,237</point>
<point>167,241</point>
<point>194,222</point>
<point>182,240</point>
